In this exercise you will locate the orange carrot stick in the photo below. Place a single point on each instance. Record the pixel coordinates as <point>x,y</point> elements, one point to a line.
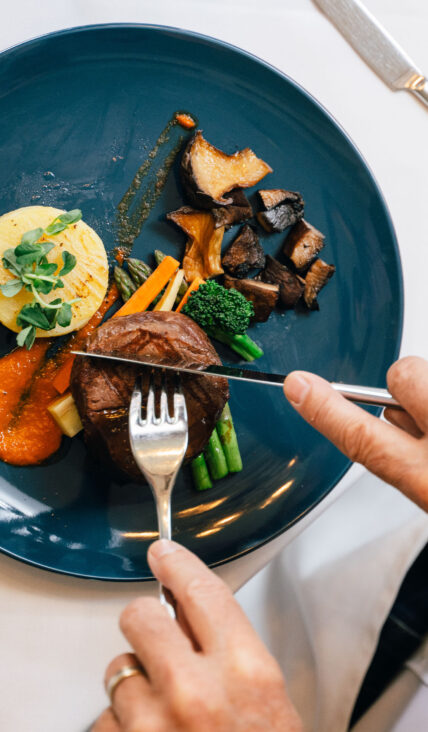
<point>192,287</point>
<point>147,292</point>
<point>61,381</point>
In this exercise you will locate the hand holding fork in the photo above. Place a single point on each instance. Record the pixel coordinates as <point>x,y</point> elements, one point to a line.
<point>158,445</point>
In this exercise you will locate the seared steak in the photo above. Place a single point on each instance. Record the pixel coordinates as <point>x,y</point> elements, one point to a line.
<point>102,390</point>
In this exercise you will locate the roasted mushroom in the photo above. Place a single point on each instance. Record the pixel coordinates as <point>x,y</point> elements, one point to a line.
<point>318,275</point>
<point>303,244</point>
<point>264,296</point>
<point>284,208</point>
<point>244,253</point>
<point>272,197</point>
<point>208,173</point>
<point>202,257</point>
<point>291,286</point>
<point>234,213</point>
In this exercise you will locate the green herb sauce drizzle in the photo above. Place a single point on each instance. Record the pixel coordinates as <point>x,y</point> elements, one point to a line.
<point>133,212</point>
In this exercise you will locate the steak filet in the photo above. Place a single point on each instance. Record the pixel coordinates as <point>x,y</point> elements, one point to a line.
<point>102,389</point>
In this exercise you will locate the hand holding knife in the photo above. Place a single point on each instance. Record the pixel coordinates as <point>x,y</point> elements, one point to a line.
<point>361,394</point>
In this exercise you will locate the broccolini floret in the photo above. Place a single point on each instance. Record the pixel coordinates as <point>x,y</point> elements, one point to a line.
<point>212,306</point>
<point>224,315</point>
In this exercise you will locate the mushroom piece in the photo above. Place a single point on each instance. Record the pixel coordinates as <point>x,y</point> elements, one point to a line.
<point>291,286</point>
<point>234,213</point>
<point>202,257</point>
<point>288,209</point>
<point>272,197</point>
<point>263,295</point>
<point>318,275</point>
<point>303,244</point>
<point>208,173</point>
<point>244,253</point>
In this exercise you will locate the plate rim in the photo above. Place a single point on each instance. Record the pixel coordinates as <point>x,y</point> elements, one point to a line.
<point>217,42</point>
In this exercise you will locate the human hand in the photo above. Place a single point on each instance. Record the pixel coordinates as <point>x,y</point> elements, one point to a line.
<point>207,672</point>
<point>396,452</point>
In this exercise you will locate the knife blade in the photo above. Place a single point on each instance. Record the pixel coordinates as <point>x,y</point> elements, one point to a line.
<point>362,394</point>
<point>229,373</point>
<point>376,46</point>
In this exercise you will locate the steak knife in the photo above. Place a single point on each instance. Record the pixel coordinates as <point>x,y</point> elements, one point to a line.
<point>376,46</point>
<point>362,394</point>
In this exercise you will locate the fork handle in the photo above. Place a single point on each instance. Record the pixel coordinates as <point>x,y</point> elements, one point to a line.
<point>163,508</point>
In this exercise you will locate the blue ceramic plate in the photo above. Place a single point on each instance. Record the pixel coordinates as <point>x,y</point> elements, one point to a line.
<point>86,105</point>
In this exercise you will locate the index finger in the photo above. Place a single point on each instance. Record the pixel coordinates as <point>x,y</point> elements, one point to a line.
<point>215,618</point>
<point>382,448</point>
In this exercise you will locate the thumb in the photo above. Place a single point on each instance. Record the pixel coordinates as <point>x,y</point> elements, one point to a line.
<point>385,450</point>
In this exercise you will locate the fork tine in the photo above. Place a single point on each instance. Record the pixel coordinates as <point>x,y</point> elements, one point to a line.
<point>135,406</point>
<point>180,411</point>
<point>164,416</point>
<point>150,409</point>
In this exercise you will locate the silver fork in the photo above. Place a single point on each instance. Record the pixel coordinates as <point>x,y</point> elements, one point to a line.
<point>158,444</point>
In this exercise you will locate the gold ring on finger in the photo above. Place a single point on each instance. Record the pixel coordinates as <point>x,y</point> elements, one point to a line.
<point>124,673</point>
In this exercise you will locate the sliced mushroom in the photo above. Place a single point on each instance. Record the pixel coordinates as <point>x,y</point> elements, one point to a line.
<point>291,286</point>
<point>272,197</point>
<point>318,275</point>
<point>264,296</point>
<point>208,173</point>
<point>303,244</point>
<point>244,253</point>
<point>287,211</point>
<point>202,257</point>
<point>234,213</point>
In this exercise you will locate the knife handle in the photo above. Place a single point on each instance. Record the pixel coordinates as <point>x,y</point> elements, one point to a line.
<point>421,91</point>
<point>367,395</point>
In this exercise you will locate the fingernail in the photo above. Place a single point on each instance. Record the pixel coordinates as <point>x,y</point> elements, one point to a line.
<point>296,388</point>
<point>161,547</point>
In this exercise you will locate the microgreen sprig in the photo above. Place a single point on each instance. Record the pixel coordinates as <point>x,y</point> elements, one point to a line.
<point>28,262</point>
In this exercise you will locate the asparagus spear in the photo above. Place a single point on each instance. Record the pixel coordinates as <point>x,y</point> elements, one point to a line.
<point>242,344</point>
<point>123,281</point>
<point>215,458</point>
<point>201,476</point>
<point>159,256</point>
<point>229,441</point>
<point>138,270</point>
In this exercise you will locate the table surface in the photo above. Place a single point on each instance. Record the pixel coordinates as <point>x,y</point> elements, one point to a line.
<point>57,633</point>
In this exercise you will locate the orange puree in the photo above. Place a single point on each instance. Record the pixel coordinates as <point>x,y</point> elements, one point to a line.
<point>16,372</point>
<point>28,434</point>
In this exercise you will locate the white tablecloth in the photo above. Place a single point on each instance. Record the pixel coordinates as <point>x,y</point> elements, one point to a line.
<point>321,603</point>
